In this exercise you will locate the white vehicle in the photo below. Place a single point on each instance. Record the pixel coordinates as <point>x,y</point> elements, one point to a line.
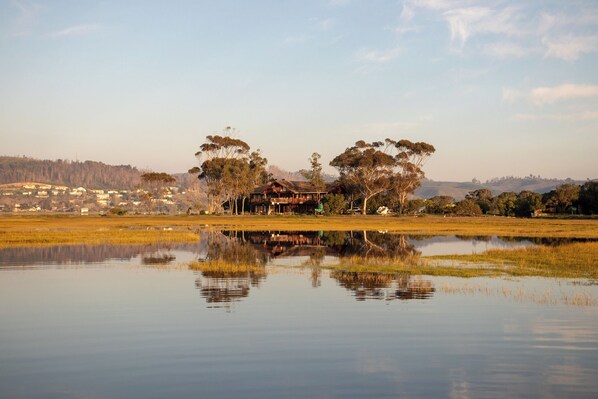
<point>383,210</point>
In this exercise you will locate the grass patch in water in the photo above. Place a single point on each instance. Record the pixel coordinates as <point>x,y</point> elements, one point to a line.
<point>224,269</point>
<point>577,260</point>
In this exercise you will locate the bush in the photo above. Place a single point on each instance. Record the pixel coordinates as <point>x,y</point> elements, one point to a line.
<point>334,204</point>
<point>467,207</point>
<point>117,211</point>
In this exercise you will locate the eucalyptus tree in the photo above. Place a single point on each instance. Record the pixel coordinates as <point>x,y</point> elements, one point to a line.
<point>228,168</point>
<point>408,174</point>
<point>378,167</point>
<point>367,168</point>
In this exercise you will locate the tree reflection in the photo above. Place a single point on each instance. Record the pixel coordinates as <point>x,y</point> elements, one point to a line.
<point>384,286</point>
<point>229,268</point>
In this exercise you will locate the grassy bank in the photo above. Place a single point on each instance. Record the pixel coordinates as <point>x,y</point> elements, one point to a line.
<point>56,230</point>
<point>577,260</point>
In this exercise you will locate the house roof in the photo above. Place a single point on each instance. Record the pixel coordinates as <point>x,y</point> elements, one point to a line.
<point>295,187</point>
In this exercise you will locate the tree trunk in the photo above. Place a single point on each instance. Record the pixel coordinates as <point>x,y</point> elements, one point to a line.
<point>243,205</point>
<point>365,203</point>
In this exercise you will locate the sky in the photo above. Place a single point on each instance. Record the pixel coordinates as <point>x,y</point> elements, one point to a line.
<point>500,88</point>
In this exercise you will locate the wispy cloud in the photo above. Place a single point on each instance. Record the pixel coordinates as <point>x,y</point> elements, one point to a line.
<point>78,30</point>
<point>378,57</point>
<point>550,95</point>
<point>405,19</point>
<point>565,35</point>
<point>466,22</point>
<point>570,47</point>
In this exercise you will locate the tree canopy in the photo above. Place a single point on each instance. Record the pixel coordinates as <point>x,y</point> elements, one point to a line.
<point>229,170</point>
<point>373,168</point>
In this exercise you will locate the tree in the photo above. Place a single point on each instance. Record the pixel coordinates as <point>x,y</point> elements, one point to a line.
<point>504,204</point>
<point>314,175</point>
<point>408,171</point>
<point>229,170</point>
<point>562,198</point>
<point>366,168</point>
<point>467,207</point>
<point>334,204</point>
<point>414,206</point>
<point>588,197</point>
<point>439,204</point>
<point>482,197</point>
<point>527,203</point>
<point>369,169</point>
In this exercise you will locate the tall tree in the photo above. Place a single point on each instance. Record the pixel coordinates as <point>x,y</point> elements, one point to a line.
<point>408,170</point>
<point>367,168</point>
<point>588,197</point>
<point>314,175</point>
<point>228,168</point>
<point>377,167</point>
<point>482,197</point>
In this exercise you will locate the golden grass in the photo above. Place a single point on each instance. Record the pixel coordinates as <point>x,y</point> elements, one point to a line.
<point>71,229</point>
<point>412,266</point>
<point>577,260</point>
<point>221,268</point>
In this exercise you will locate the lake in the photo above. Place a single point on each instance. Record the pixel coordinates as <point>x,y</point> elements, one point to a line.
<point>136,322</point>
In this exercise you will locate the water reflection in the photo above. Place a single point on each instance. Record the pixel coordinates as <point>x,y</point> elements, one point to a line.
<point>229,267</point>
<point>88,254</point>
<point>384,286</point>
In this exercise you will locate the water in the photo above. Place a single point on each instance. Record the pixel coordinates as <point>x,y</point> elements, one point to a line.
<point>135,322</point>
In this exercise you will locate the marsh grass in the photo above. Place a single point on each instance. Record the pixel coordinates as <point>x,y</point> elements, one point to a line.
<point>411,265</point>
<point>61,229</point>
<point>520,294</point>
<point>577,260</point>
<point>224,269</point>
<point>43,237</point>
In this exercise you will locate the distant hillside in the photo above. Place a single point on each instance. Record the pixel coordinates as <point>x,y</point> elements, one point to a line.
<point>89,174</point>
<point>458,190</point>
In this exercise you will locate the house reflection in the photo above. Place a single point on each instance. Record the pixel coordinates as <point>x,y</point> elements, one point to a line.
<point>384,286</point>
<point>316,245</point>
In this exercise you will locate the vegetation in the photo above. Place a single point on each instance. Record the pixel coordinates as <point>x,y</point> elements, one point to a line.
<point>576,260</point>
<point>229,170</point>
<point>70,173</point>
<point>314,175</point>
<point>370,169</point>
<point>54,230</point>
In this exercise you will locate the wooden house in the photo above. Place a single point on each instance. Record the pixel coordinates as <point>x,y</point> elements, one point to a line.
<point>285,196</point>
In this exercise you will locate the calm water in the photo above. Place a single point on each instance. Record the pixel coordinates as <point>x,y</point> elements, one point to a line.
<point>134,322</point>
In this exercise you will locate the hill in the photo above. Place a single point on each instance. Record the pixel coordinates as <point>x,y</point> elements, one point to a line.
<point>458,190</point>
<point>92,174</point>
<point>89,174</point>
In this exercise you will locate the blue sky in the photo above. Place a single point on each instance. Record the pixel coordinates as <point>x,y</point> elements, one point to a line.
<point>498,87</point>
